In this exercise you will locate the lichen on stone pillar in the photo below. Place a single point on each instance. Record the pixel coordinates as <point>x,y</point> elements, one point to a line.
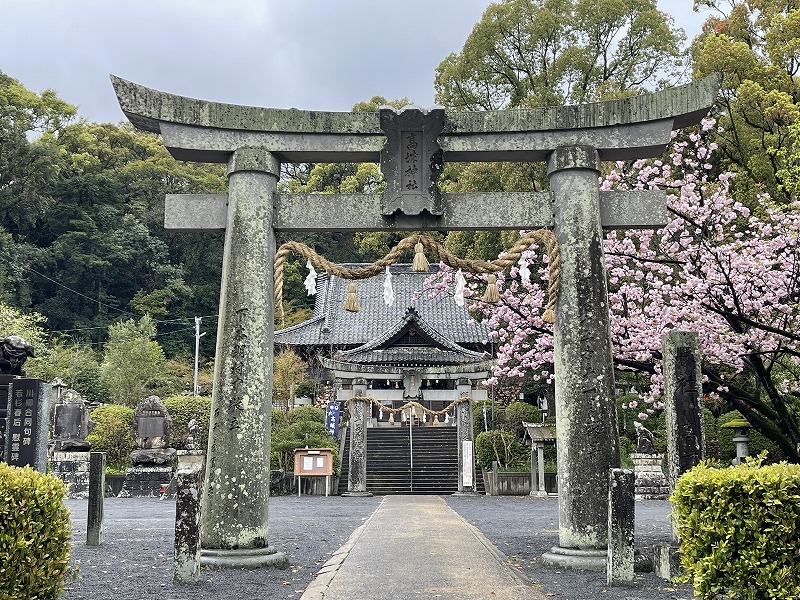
<point>586,426</point>
<point>236,488</point>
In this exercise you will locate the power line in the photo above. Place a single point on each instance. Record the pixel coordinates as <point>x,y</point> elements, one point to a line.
<point>181,320</point>
<point>94,300</point>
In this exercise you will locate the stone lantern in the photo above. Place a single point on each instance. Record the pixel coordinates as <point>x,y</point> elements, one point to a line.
<point>741,437</point>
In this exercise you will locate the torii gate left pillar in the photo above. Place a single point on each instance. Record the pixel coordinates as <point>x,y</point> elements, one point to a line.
<point>236,489</point>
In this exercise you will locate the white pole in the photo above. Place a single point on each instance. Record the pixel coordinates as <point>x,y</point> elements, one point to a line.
<point>197,336</point>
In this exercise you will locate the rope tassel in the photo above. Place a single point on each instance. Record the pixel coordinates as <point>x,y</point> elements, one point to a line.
<point>420,264</point>
<point>351,301</point>
<point>491,295</point>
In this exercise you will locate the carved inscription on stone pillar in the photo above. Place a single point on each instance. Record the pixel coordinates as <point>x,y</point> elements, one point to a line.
<point>411,160</point>
<point>687,410</point>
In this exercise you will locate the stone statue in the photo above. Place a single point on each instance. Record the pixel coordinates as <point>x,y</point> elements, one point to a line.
<point>646,443</point>
<point>14,351</point>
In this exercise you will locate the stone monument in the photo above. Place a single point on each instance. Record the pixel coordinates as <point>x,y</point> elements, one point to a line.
<point>69,450</point>
<point>26,407</point>
<point>14,351</point>
<point>650,482</point>
<point>253,142</point>
<point>153,460</point>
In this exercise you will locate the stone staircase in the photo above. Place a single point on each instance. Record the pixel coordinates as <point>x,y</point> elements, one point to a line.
<point>389,462</point>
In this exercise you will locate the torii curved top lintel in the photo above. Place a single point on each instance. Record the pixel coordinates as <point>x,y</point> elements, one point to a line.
<point>148,109</point>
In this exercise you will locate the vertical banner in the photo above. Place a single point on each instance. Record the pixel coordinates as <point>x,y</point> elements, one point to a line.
<point>466,467</point>
<point>332,414</point>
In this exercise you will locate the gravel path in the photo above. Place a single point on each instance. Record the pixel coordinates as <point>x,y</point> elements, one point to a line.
<point>135,560</point>
<point>523,528</point>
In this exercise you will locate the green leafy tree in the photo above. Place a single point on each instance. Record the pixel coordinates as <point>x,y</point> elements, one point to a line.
<point>527,53</point>
<point>289,371</point>
<point>755,43</point>
<point>301,427</point>
<point>552,52</point>
<point>133,363</point>
<point>26,325</point>
<point>78,366</point>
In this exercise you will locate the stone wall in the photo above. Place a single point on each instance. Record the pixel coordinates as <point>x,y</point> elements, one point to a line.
<point>73,469</point>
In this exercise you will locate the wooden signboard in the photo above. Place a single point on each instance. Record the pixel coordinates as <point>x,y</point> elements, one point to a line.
<point>313,462</point>
<point>309,462</point>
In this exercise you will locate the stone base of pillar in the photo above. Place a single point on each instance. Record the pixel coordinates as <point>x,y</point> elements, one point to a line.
<point>356,494</point>
<point>249,558</point>
<point>573,558</point>
<point>465,493</point>
<point>73,469</point>
<point>539,494</point>
<point>145,482</point>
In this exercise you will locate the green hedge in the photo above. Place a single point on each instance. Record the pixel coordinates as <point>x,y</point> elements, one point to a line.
<point>305,413</point>
<point>740,530</point>
<point>113,434</point>
<point>517,412</point>
<point>35,534</point>
<point>183,409</point>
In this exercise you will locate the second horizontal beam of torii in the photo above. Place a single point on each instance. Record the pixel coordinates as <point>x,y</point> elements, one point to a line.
<point>462,211</point>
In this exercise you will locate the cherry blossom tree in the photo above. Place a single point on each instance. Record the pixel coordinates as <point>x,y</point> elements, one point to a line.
<point>723,268</point>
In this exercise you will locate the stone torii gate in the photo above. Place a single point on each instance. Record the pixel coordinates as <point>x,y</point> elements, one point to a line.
<point>411,146</point>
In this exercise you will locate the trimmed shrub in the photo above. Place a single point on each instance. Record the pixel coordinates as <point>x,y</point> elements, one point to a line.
<point>305,413</point>
<point>626,448</point>
<point>299,435</point>
<point>740,530</point>
<point>502,446</point>
<point>183,409</point>
<point>35,531</point>
<point>517,412</point>
<point>113,434</point>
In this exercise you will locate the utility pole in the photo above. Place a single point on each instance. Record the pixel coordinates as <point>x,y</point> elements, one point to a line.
<point>197,336</point>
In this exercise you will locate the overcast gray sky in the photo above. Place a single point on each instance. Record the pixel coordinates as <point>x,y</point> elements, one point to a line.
<point>308,54</point>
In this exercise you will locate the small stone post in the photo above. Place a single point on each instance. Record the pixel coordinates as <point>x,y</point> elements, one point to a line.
<point>236,489</point>
<point>466,446</point>
<point>187,524</point>
<point>621,518</point>
<point>586,423</point>
<point>682,388</point>
<point>538,486</point>
<point>359,411</point>
<point>97,488</point>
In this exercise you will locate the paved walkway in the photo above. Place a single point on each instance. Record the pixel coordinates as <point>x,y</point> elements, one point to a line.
<point>418,543</point>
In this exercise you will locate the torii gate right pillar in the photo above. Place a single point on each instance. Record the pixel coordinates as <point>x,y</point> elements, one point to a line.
<point>586,424</point>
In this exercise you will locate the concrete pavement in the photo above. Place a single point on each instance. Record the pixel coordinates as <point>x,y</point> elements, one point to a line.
<point>417,546</point>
